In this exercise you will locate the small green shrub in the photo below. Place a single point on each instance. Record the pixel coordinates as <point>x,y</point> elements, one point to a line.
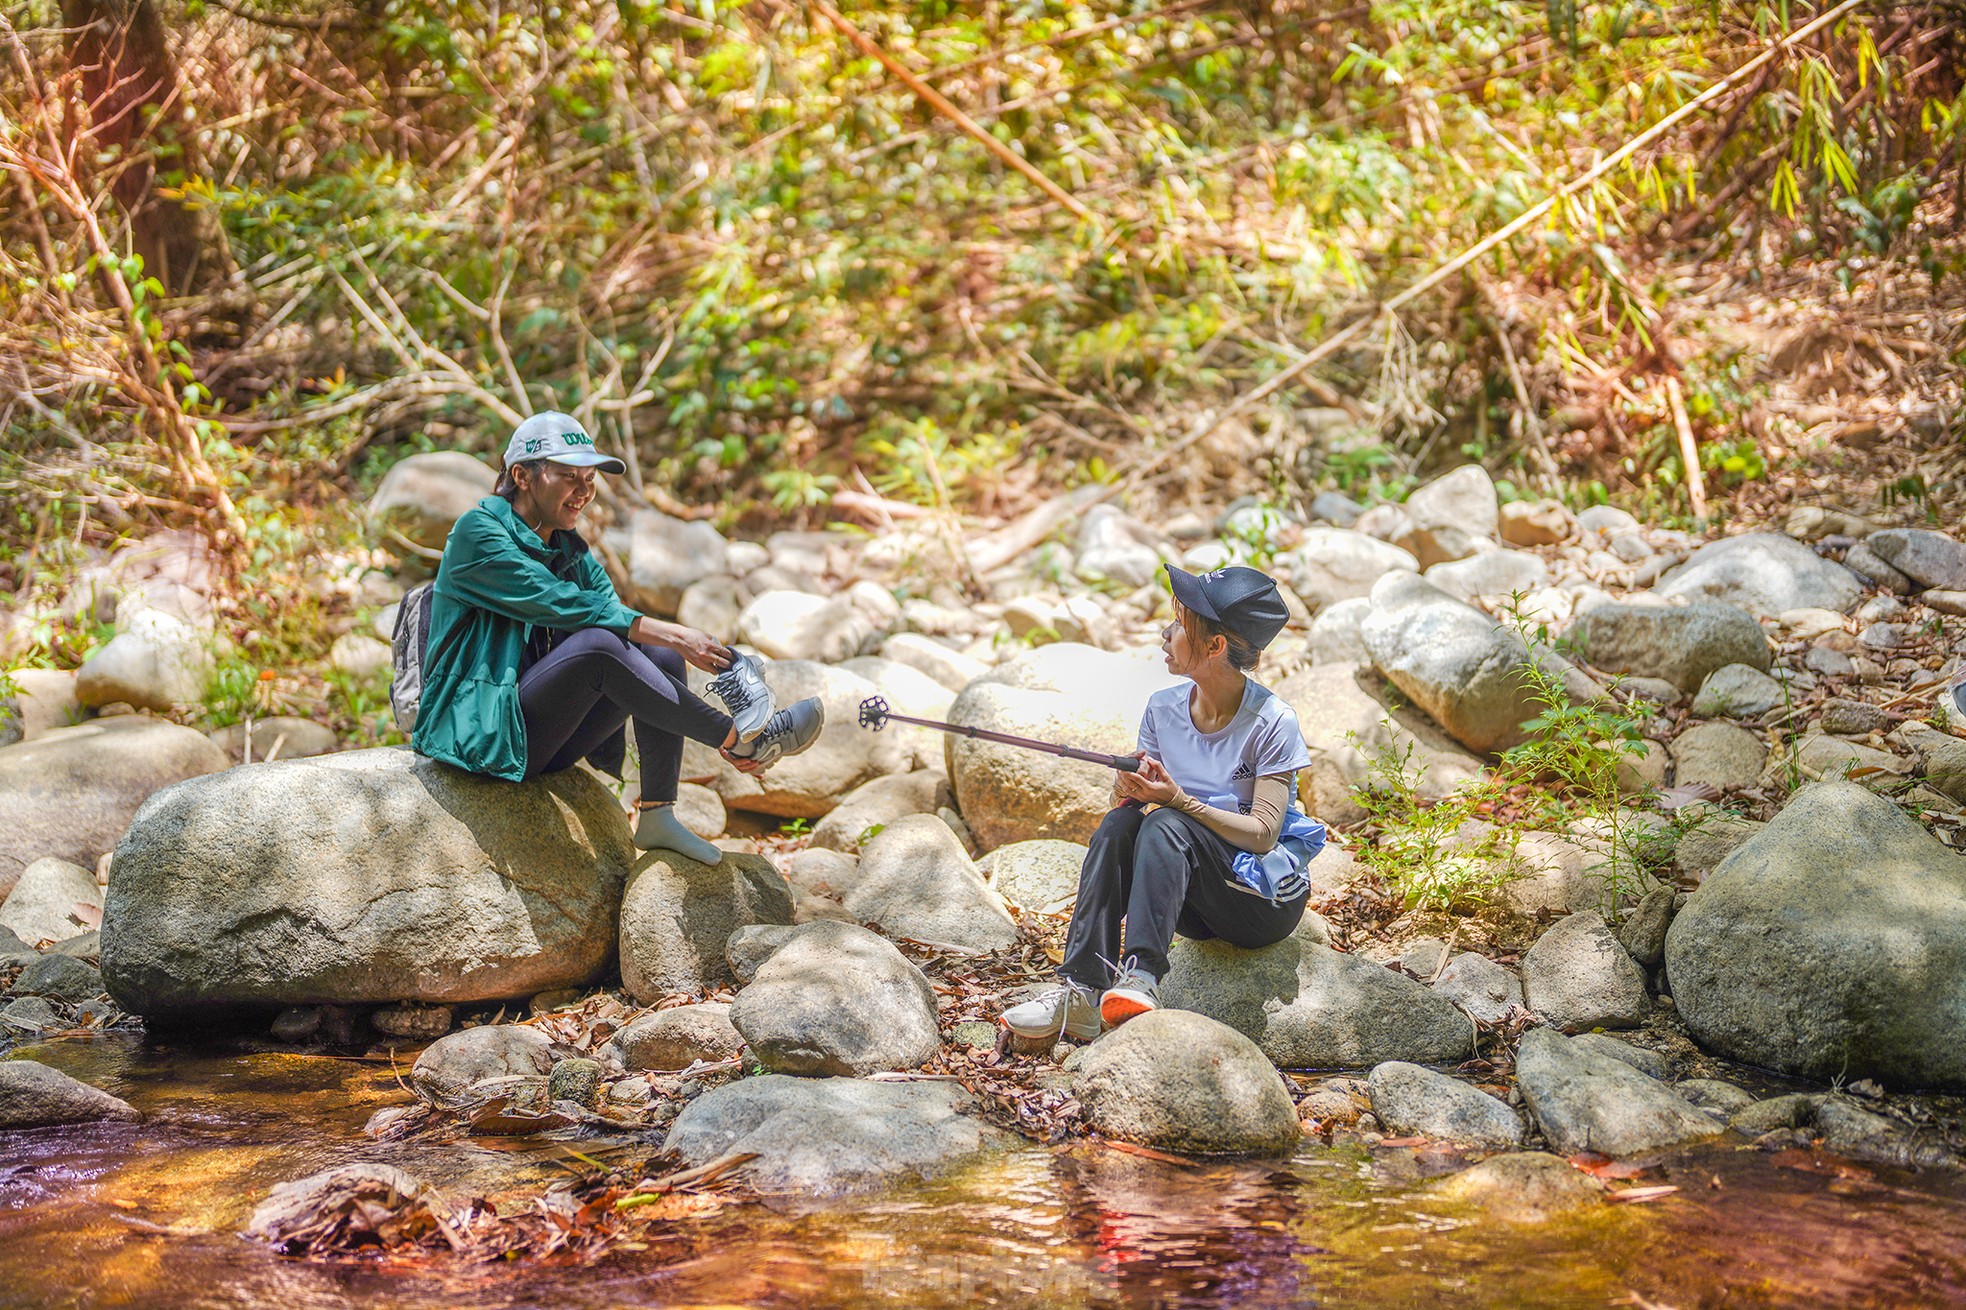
<point>1426,850</point>
<point>1568,776</point>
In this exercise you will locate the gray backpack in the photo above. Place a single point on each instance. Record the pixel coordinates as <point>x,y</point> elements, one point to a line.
<point>408,642</point>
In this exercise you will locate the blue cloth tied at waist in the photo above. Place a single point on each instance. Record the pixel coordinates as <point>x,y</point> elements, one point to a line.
<point>1277,875</point>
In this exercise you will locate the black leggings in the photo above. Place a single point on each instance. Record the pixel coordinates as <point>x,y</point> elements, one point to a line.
<point>580,694</point>
<point>1163,873</point>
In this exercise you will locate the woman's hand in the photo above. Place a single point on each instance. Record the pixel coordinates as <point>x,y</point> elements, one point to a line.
<point>698,648</point>
<point>1151,784</point>
<point>741,764</point>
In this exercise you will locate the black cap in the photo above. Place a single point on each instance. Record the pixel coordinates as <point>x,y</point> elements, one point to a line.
<point>1238,599</point>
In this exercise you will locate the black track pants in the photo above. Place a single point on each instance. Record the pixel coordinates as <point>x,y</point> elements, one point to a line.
<point>1162,873</point>
<point>581,692</point>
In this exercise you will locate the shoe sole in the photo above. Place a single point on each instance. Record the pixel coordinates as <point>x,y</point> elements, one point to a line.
<point>1116,1010</point>
<point>1051,1034</point>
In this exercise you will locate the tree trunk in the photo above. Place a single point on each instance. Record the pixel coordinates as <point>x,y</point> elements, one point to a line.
<point>130,81</point>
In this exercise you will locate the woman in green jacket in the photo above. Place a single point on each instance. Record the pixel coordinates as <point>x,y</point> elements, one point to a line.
<point>534,663</point>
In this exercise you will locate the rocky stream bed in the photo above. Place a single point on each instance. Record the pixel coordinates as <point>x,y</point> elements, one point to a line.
<point>352,1025</point>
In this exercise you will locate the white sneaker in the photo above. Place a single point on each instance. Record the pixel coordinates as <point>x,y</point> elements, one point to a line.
<point>1132,994</point>
<point>1067,1010</point>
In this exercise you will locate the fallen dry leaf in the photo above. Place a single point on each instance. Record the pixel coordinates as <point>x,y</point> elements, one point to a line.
<point>1603,1166</point>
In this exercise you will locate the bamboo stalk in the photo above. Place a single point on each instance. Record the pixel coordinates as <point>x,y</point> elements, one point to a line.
<point>944,106</point>
<point>1332,344</point>
<point>1689,451</point>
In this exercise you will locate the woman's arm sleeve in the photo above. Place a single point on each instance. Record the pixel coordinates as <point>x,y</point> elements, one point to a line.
<point>507,582</point>
<point>1255,831</point>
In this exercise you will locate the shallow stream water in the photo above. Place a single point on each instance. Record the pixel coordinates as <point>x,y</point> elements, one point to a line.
<point>147,1215</point>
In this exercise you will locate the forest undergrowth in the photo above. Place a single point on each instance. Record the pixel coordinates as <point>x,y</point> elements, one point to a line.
<point>798,264</point>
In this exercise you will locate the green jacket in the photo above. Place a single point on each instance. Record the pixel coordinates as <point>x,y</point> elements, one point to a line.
<point>497,589</point>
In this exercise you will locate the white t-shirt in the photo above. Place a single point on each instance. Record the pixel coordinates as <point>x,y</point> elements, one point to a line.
<point>1221,768</point>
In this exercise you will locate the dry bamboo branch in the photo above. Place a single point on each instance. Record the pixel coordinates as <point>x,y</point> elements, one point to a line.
<point>1689,452</point>
<point>942,105</point>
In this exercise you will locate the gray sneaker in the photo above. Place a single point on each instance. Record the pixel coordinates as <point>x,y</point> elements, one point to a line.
<point>1133,993</point>
<point>742,689</point>
<point>790,731</point>
<point>1067,1010</point>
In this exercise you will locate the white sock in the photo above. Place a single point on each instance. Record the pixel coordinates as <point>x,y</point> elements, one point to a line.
<point>658,826</point>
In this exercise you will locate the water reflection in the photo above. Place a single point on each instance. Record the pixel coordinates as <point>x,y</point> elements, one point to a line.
<point>1187,1235</point>
<point>145,1216</point>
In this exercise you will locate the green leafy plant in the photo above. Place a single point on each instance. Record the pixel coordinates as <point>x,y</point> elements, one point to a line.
<point>1572,775</point>
<point>1438,854</point>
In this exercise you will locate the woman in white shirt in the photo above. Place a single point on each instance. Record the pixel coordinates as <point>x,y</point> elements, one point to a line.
<point>1219,755</point>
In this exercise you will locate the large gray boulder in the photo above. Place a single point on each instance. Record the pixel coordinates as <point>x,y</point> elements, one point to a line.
<point>1578,977</point>
<point>916,880</point>
<point>837,999</point>
<point>677,914</point>
<point>1114,546</point>
<point>53,901</point>
<point>368,876</point>
<point>1036,875</point>
<point>34,1096</point>
<point>947,666</point>
<point>1184,1082</point>
<point>1584,1100</point>
<point>873,805</point>
<point>59,977</point>
<point>1459,665</point>
<point>1409,1098</point>
<point>1680,643</point>
<point>908,690</point>
<point>72,792</point>
<point>1720,755</point>
<point>1336,564</point>
<point>1497,574</point>
<point>1737,691</point>
<point>1351,718</point>
<point>750,946</point>
<point>677,1037</point>
<point>364,1196</point>
<point>1452,517</point>
<point>1335,635</point>
<point>1568,873</point>
<point>667,555</point>
<point>825,1136</point>
<point>810,784</point>
<point>279,737</point>
<point>1714,835</point>
<point>796,625</point>
<point>1523,1187</point>
<point>1310,1007</point>
<point>452,1065</point>
<point>423,495</point>
<point>1484,989</point>
<point>1830,944</point>
<point>713,605</point>
<point>156,661</point>
<point>1067,693</point>
<point>1930,559</point>
<point>45,701</point>
<point>1763,573</point>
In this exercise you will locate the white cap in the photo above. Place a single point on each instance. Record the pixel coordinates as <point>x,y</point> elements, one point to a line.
<point>559,438</point>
